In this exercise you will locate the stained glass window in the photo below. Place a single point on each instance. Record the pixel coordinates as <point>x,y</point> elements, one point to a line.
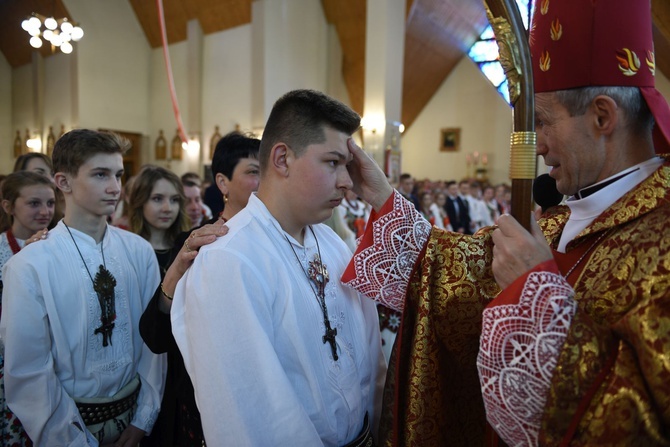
<point>484,52</point>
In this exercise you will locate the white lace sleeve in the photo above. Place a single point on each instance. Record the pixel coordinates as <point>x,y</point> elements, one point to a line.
<point>383,262</point>
<point>519,348</point>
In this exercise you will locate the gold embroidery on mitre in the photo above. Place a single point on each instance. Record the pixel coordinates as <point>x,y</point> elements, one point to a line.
<point>556,30</point>
<point>651,62</point>
<point>629,63</point>
<point>544,7</point>
<point>545,61</point>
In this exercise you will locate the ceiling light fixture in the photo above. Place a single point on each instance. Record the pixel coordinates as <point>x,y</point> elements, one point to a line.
<point>58,32</point>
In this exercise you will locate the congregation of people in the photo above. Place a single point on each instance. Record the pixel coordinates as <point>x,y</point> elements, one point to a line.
<point>299,297</point>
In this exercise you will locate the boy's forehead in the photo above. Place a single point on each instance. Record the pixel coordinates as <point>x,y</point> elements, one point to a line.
<point>104,160</point>
<point>335,146</point>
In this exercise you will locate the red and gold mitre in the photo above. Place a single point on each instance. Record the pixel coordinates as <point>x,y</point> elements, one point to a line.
<point>582,43</point>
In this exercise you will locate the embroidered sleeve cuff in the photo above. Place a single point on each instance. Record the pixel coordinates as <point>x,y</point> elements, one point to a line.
<point>522,336</point>
<point>387,252</point>
<point>512,293</point>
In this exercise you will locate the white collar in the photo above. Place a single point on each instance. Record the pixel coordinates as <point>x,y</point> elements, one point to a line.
<point>584,211</point>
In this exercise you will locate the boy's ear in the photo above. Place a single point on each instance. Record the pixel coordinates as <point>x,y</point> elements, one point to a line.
<point>221,183</point>
<point>62,181</point>
<point>279,156</point>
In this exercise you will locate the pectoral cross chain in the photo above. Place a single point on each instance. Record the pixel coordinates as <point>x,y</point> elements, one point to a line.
<point>319,276</point>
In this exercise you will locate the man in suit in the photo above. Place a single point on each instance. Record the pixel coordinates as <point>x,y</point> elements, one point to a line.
<point>457,209</point>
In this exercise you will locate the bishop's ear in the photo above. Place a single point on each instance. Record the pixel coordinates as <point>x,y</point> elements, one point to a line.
<point>606,114</point>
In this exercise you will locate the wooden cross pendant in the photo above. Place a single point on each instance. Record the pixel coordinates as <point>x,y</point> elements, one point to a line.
<point>103,285</point>
<point>330,338</point>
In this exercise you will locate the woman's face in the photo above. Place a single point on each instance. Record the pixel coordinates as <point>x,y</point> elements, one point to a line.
<point>32,210</point>
<point>246,177</point>
<point>162,208</point>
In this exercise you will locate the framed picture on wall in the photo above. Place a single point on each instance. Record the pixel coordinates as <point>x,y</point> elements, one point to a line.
<point>450,139</point>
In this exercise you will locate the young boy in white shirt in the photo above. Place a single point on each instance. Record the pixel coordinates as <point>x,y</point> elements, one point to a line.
<point>77,372</point>
<point>279,351</point>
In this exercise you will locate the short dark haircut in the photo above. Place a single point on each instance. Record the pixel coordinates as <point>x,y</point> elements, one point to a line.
<point>75,147</point>
<point>230,149</point>
<point>191,177</point>
<point>404,176</point>
<point>21,163</point>
<point>299,118</point>
<point>637,115</point>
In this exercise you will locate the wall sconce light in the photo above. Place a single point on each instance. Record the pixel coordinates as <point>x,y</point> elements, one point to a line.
<point>34,143</point>
<point>192,146</point>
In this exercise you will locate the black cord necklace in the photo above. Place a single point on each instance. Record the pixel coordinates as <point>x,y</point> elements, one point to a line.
<point>103,285</point>
<point>318,274</point>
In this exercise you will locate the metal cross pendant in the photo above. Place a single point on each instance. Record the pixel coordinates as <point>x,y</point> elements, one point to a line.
<point>330,338</point>
<point>319,275</point>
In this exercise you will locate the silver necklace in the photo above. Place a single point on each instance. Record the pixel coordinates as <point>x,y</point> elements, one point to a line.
<point>318,274</point>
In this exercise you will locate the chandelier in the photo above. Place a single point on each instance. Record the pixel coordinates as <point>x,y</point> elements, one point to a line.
<point>58,32</point>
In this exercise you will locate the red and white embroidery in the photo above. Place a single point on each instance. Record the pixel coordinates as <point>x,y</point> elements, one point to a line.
<point>382,270</point>
<point>519,348</point>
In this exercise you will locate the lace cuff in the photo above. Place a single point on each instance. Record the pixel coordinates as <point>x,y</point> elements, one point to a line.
<point>387,252</point>
<point>519,349</point>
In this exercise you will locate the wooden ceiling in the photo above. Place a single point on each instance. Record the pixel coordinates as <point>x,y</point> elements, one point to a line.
<point>438,34</point>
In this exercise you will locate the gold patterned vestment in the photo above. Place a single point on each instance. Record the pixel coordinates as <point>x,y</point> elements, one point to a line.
<point>611,385</point>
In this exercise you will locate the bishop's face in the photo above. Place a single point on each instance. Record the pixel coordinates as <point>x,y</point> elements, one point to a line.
<point>569,145</point>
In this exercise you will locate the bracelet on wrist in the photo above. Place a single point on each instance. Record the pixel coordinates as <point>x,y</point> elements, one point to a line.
<point>165,293</point>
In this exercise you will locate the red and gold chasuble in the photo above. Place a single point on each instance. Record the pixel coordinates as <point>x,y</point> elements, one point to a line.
<point>610,380</point>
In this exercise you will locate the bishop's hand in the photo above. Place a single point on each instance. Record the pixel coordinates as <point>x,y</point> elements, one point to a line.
<point>370,182</point>
<point>516,251</point>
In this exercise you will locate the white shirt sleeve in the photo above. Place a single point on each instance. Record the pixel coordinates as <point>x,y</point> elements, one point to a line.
<point>32,389</point>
